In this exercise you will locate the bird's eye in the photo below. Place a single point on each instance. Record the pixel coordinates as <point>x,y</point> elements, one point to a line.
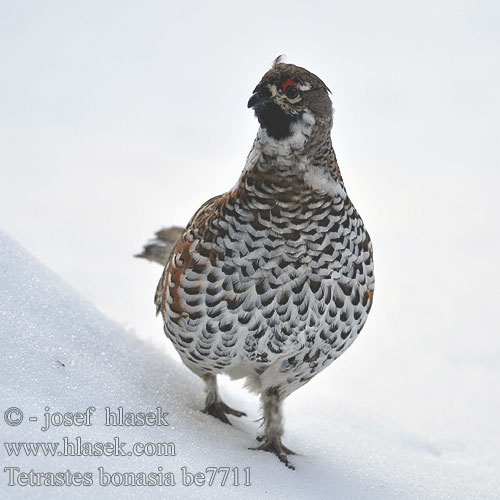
<point>290,89</point>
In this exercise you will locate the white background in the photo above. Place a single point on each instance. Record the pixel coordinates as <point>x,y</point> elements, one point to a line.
<point>118,118</point>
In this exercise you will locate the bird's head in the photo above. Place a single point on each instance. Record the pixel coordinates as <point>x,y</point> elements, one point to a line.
<point>291,104</point>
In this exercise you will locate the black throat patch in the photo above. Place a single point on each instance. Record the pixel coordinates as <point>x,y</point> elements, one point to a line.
<point>276,123</point>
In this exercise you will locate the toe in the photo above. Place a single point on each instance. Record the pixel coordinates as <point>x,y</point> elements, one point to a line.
<point>287,450</point>
<point>216,411</point>
<point>278,449</point>
<point>232,411</point>
<point>284,459</point>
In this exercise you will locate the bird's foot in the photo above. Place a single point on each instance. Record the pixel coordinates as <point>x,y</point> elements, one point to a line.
<point>277,447</point>
<point>287,450</point>
<point>220,410</point>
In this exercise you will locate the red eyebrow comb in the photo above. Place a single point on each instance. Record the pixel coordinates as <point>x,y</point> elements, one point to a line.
<point>288,83</point>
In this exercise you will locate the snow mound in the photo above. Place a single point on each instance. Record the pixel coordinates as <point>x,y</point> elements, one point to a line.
<point>59,352</point>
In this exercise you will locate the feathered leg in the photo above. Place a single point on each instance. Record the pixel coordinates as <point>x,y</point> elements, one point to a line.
<point>273,426</point>
<point>213,403</point>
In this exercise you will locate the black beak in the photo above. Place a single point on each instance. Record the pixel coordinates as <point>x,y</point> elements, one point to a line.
<point>258,100</point>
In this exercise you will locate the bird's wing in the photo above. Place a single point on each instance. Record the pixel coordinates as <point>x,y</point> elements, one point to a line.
<point>179,256</point>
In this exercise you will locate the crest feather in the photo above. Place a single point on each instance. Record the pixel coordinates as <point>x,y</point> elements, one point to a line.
<point>278,60</point>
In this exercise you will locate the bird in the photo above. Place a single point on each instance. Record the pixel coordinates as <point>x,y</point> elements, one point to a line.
<point>274,279</point>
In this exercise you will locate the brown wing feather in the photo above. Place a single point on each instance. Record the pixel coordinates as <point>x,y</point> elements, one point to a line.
<point>180,257</point>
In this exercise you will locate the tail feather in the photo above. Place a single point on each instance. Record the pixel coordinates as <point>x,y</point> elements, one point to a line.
<point>159,248</point>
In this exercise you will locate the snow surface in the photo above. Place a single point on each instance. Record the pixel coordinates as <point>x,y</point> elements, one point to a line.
<point>376,426</point>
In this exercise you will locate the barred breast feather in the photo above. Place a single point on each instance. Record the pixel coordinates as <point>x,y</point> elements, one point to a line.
<point>271,281</point>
